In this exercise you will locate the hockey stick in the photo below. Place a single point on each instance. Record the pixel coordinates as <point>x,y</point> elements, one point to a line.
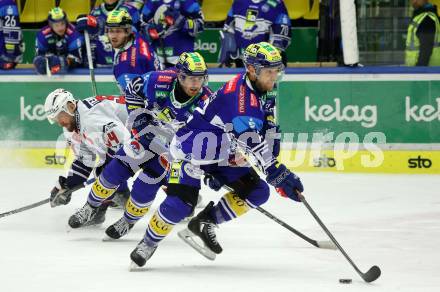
<point>90,61</point>
<point>372,274</point>
<point>45,201</point>
<point>319,244</point>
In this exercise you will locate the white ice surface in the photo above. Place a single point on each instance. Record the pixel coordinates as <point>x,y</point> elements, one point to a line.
<point>392,221</point>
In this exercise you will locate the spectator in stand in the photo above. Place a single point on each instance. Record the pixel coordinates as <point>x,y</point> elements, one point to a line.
<point>254,21</point>
<point>58,45</point>
<point>11,38</point>
<point>172,26</point>
<point>102,51</point>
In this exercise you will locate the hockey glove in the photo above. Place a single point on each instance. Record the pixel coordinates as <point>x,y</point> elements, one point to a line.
<point>170,16</point>
<point>87,22</point>
<point>286,183</point>
<point>154,31</point>
<point>212,182</point>
<point>57,64</point>
<point>60,194</point>
<point>5,65</point>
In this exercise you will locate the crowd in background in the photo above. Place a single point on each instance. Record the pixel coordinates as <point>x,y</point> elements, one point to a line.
<point>169,27</point>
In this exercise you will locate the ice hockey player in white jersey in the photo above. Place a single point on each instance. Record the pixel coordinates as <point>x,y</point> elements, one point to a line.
<point>95,129</point>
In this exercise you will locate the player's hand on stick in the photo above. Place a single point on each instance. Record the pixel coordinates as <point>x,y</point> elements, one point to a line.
<point>60,194</point>
<point>286,183</point>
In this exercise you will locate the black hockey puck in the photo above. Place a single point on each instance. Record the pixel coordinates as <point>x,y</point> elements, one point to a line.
<point>345,281</point>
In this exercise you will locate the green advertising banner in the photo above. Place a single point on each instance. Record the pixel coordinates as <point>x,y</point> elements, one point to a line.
<point>404,111</point>
<point>22,115</point>
<point>302,49</point>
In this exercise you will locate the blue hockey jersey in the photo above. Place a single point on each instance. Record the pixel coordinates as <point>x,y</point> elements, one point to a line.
<point>102,50</point>
<point>11,46</point>
<point>134,59</point>
<point>179,37</point>
<point>67,46</point>
<point>157,94</point>
<point>257,21</point>
<point>235,115</point>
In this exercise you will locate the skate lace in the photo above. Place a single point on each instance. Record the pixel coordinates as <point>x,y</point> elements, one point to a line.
<point>144,250</point>
<point>211,233</point>
<point>84,213</point>
<point>121,226</point>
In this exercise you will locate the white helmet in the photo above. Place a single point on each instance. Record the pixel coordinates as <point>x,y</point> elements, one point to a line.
<point>56,102</point>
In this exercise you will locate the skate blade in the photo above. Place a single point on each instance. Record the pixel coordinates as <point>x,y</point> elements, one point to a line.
<point>188,237</point>
<point>325,244</point>
<point>135,268</point>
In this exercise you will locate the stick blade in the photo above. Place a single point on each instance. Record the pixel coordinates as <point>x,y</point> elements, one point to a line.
<point>326,244</point>
<point>372,274</point>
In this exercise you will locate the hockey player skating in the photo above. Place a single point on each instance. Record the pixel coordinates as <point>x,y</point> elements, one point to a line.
<point>95,130</point>
<point>239,115</point>
<point>160,101</point>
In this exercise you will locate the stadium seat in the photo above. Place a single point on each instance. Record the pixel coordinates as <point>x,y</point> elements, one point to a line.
<point>313,14</point>
<point>297,8</point>
<point>75,8</point>
<point>36,10</point>
<point>215,10</point>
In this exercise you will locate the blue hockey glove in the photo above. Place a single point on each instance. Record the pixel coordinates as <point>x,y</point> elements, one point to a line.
<point>40,64</point>
<point>212,182</point>
<point>171,15</point>
<point>286,183</point>
<point>57,64</point>
<point>87,22</point>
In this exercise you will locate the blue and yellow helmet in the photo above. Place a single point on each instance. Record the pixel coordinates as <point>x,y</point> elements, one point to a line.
<point>192,64</point>
<point>56,15</point>
<point>119,18</point>
<point>262,55</point>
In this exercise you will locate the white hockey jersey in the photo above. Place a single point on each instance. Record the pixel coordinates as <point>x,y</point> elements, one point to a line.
<point>101,131</point>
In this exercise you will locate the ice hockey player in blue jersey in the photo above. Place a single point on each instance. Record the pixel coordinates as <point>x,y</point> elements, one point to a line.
<point>11,37</point>
<point>58,45</point>
<point>253,21</point>
<point>94,23</point>
<point>133,55</point>
<point>237,116</point>
<point>172,25</point>
<point>164,99</point>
